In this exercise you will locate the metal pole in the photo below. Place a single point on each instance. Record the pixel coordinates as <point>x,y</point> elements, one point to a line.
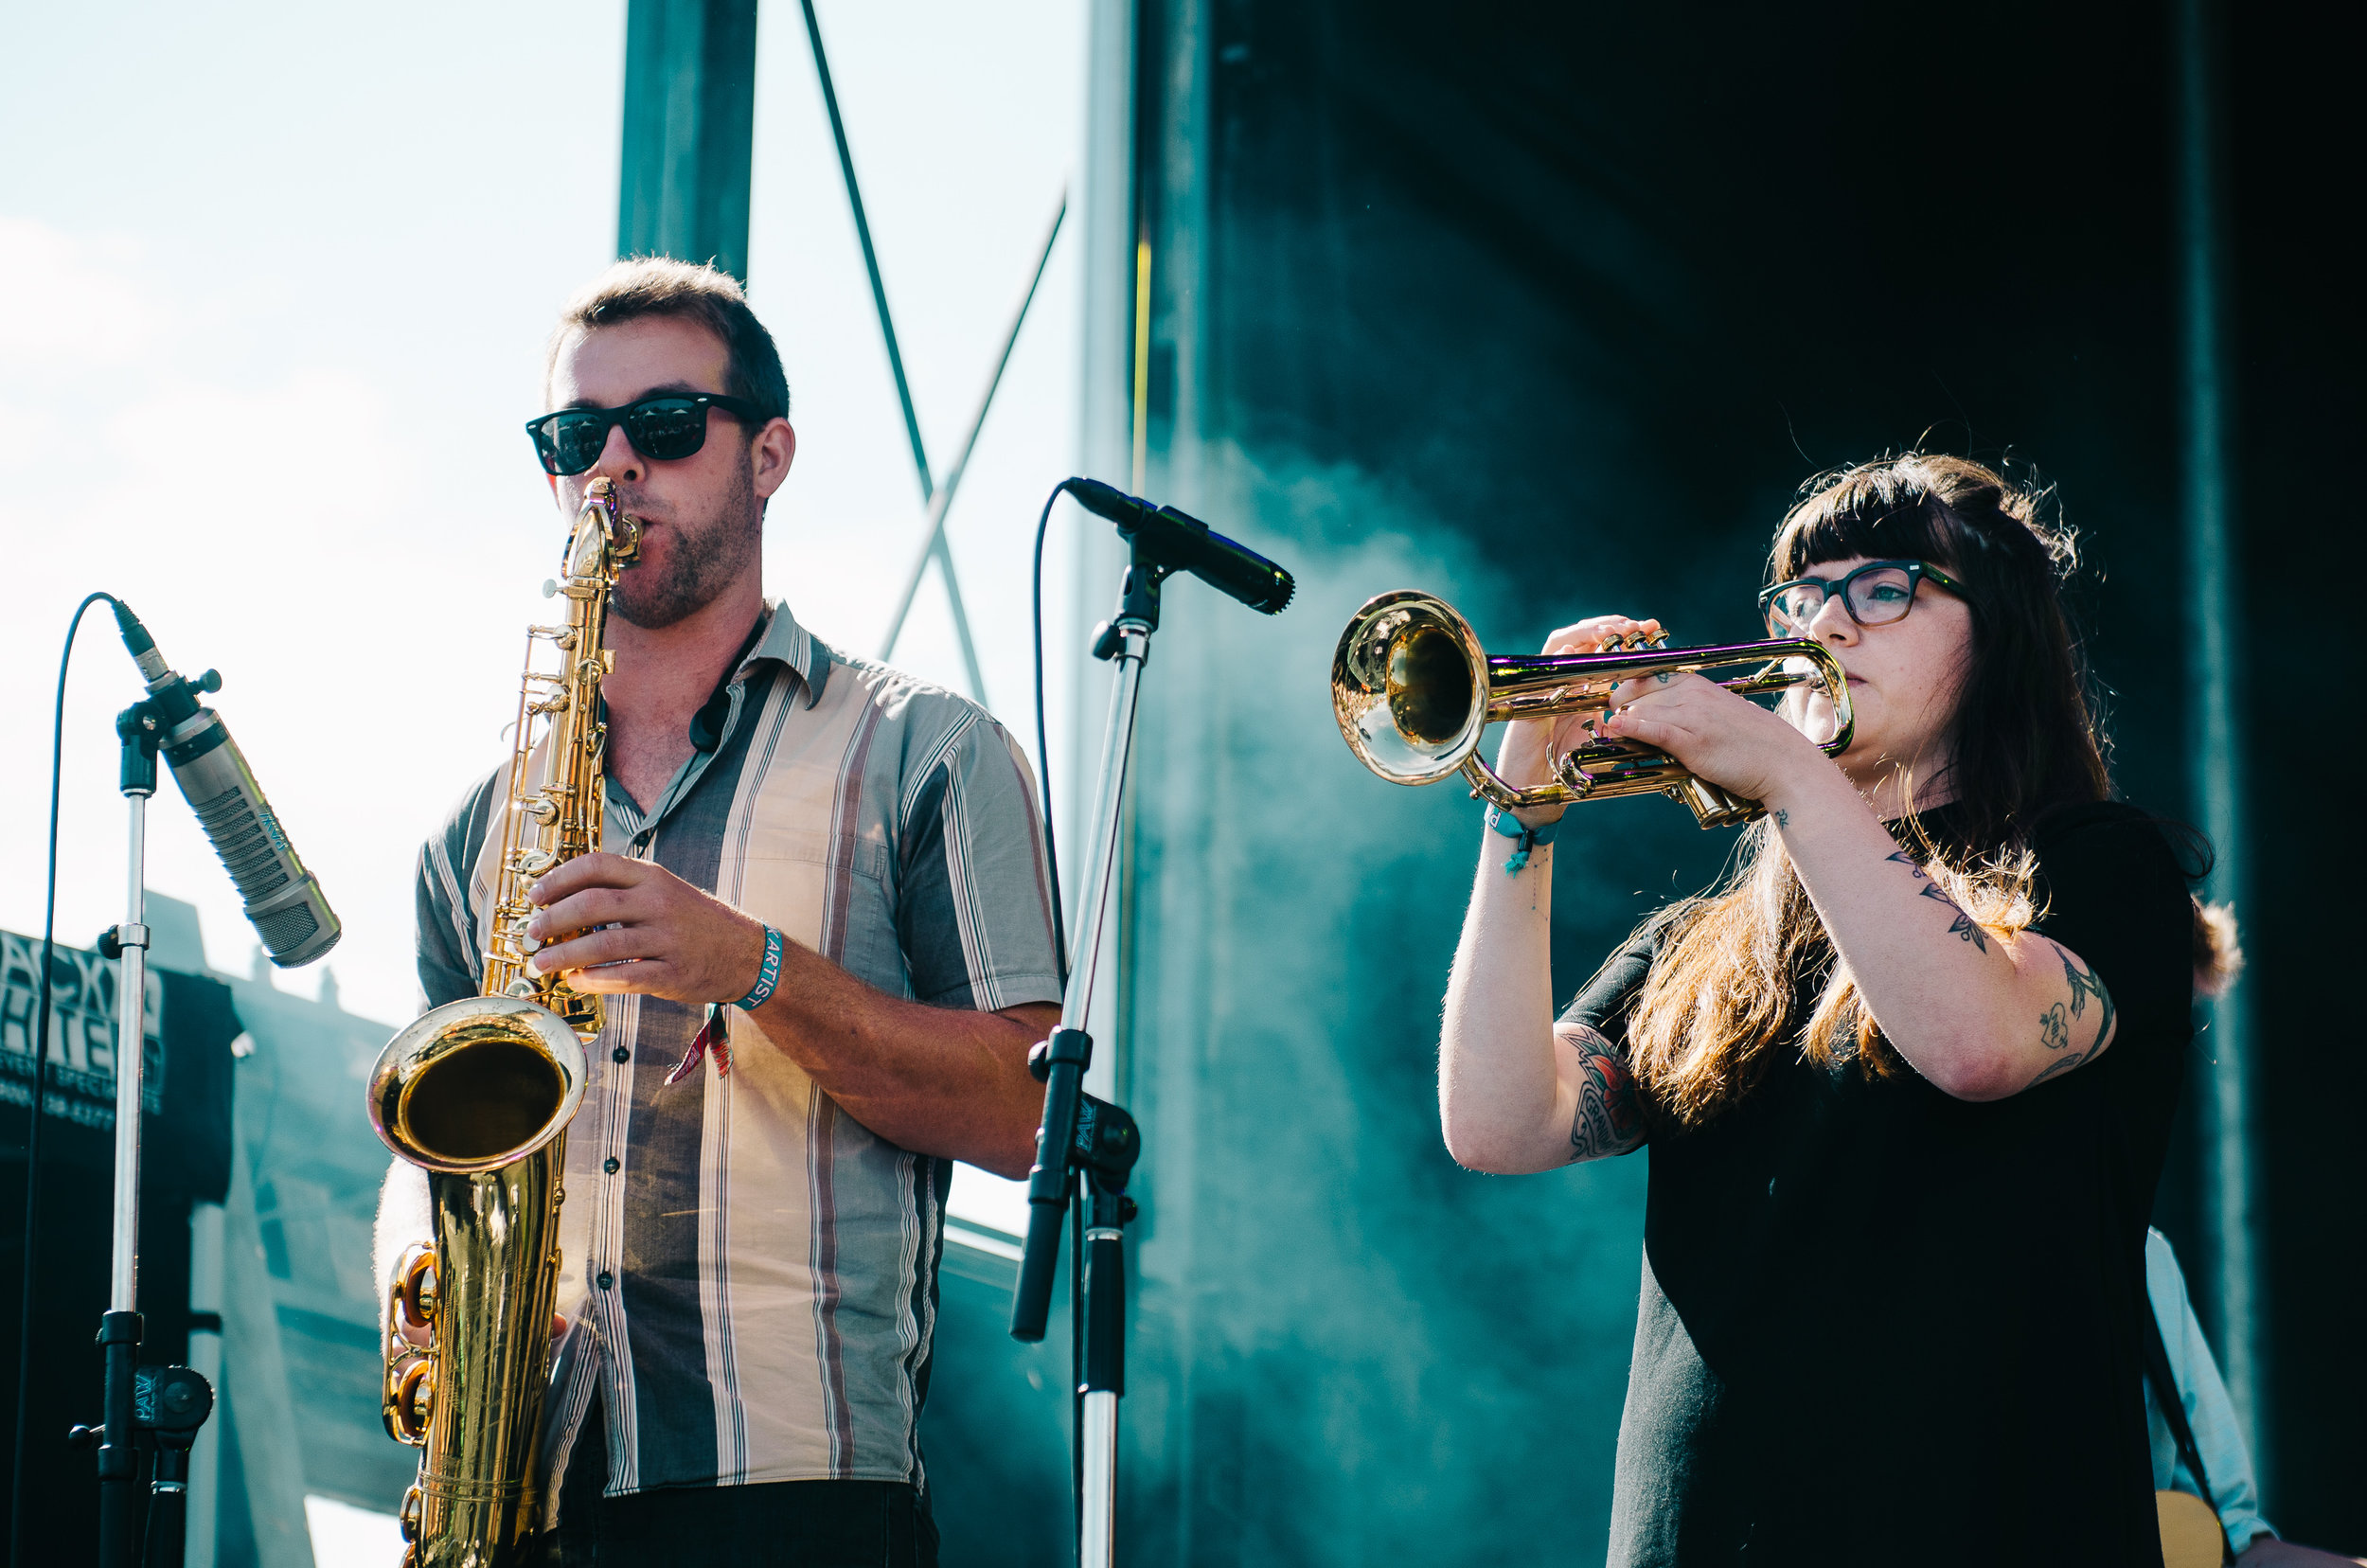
<point>689,118</point>
<point>1099,1536</point>
<point>1117,748</point>
<point>894,354</point>
<point>943,501</point>
<point>119,1330</point>
<point>131,1005</point>
<point>2214,643</point>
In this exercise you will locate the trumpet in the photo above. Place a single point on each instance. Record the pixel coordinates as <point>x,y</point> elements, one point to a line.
<point>1415,693</point>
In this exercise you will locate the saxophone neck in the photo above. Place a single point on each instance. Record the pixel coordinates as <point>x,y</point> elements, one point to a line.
<point>607,537</point>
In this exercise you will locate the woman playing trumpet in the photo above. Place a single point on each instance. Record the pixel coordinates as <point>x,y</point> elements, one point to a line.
<point>1906,1075</point>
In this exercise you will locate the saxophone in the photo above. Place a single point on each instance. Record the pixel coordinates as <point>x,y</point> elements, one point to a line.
<point>479,1091</point>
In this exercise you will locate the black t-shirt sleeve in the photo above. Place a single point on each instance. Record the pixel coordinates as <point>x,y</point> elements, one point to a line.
<point>2113,893</point>
<point>1604,1003</point>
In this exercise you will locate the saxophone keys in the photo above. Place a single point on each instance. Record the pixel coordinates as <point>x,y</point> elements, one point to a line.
<point>415,1402</point>
<point>532,862</point>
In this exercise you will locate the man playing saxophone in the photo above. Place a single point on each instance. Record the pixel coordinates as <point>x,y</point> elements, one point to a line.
<point>822,922</point>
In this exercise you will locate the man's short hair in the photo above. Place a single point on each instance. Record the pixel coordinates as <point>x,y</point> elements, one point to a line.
<point>691,291</point>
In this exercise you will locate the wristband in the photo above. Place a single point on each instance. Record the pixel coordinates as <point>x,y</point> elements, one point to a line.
<point>768,973</point>
<point>1530,838</point>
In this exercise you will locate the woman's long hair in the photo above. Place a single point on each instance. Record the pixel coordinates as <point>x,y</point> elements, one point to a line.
<point>2024,741</point>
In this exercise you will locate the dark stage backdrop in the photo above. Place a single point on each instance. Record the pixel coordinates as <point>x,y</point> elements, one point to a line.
<point>1549,309</point>
<point>184,1160</point>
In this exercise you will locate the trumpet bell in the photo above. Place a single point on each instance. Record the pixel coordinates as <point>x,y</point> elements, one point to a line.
<point>1414,692</point>
<point>476,1083</point>
<point>1408,687</point>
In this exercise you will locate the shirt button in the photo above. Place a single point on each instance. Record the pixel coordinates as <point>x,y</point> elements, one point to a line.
<point>607,1281</point>
<point>609,1165</point>
<point>622,1053</point>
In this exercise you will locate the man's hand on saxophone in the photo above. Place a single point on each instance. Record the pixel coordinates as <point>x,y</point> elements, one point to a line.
<point>631,925</point>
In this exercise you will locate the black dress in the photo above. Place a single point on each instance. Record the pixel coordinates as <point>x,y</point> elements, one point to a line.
<point>1881,1325</point>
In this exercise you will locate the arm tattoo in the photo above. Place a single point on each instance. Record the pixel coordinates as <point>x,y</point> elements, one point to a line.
<point>1964,928</point>
<point>1607,1121</point>
<point>1783,818</point>
<point>2055,1023</point>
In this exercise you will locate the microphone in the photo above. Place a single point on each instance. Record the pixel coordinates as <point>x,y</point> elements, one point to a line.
<point>1167,538</point>
<point>283,902</point>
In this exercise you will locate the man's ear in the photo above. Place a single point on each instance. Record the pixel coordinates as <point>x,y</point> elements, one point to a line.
<point>771,452</point>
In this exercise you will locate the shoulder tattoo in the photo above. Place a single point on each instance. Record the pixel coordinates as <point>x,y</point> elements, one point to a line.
<point>2081,985</point>
<point>1609,1120</point>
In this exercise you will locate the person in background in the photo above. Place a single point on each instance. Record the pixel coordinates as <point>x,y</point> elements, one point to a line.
<point>2211,1418</point>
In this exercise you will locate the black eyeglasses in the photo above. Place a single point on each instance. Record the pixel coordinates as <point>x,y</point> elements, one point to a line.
<point>1875,595</point>
<point>661,428</point>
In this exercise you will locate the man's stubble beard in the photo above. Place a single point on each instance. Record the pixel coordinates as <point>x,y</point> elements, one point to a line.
<point>708,555</point>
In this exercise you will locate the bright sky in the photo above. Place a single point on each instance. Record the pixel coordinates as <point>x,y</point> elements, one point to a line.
<point>273,284</point>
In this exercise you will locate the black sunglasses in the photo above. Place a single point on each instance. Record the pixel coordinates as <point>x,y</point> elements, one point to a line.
<point>1876,594</point>
<point>662,428</point>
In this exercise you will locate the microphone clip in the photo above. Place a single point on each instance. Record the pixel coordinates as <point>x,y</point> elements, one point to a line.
<point>1138,603</point>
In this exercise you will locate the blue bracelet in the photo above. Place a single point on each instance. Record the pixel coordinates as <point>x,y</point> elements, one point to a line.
<point>1530,838</point>
<point>768,975</point>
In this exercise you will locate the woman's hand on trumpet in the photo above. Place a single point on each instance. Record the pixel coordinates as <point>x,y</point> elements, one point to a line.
<point>1531,746</point>
<point>1729,741</point>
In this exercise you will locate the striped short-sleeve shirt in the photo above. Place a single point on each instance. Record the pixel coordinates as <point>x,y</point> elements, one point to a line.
<point>749,1273</point>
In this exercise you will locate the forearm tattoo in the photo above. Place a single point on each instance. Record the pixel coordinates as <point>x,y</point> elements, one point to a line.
<point>1607,1121</point>
<point>2055,1023</point>
<point>1964,928</point>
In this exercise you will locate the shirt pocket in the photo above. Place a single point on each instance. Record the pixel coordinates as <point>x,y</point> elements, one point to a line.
<point>862,855</point>
<point>832,893</point>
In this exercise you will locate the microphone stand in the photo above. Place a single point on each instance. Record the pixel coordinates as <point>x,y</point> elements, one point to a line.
<point>164,1405</point>
<point>1082,1137</point>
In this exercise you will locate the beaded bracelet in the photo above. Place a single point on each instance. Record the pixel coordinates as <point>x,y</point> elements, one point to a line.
<point>1530,838</point>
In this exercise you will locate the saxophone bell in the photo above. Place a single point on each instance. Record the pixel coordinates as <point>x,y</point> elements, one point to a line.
<point>476,1083</point>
